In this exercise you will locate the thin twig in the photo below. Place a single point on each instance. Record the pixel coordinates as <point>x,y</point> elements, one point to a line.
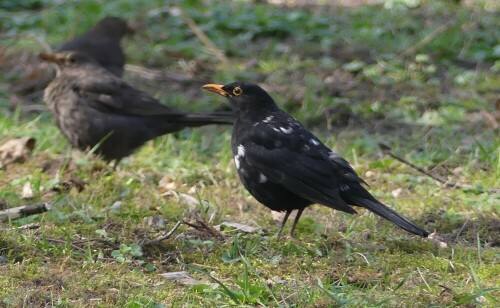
<point>65,242</point>
<point>164,236</point>
<point>428,38</point>
<point>17,37</point>
<point>422,276</point>
<point>203,227</point>
<point>387,149</point>
<point>204,38</point>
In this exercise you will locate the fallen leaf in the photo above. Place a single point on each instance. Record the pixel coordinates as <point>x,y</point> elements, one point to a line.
<point>437,240</point>
<point>16,150</point>
<point>115,206</point>
<point>395,193</point>
<point>27,192</point>
<point>369,174</point>
<point>187,199</point>
<point>155,221</point>
<point>181,277</point>
<point>237,226</point>
<point>275,280</point>
<point>168,184</point>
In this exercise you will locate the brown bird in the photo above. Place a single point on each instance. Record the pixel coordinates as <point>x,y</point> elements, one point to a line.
<point>94,108</point>
<point>102,42</point>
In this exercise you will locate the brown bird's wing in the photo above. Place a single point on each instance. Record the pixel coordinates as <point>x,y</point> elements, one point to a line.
<point>112,95</point>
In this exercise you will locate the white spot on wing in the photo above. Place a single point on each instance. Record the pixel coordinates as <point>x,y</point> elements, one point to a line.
<point>288,130</point>
<point>344,187</point>
<point>262,178</point>
<point>241,150</point>
<point>314,141</point>
<point>268,119</point>
<point>240,153</point>
<point>276,130</point>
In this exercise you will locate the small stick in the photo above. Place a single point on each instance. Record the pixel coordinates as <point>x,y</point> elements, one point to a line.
<point>164,236</point>
<point>204,38</point>
<point>202,226</point>
<point>23,211</point>
<point>387,149</point>
<point>53,240</point>
<point>17,37</point>
<point>428,38</point>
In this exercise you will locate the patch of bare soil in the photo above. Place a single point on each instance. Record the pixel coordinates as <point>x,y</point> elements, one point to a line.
<point>467,232</point>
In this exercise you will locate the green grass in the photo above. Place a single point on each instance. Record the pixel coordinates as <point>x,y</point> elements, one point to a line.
<point>337,69</point>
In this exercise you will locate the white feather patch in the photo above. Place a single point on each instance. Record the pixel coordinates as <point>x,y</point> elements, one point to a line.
<point>288,130</point>
<point>268,119</point>
<point>241,150</point>
<point>314,142</point>
<point>262,178</point>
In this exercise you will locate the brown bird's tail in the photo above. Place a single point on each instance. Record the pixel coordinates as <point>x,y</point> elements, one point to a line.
<point>200,119</point>
<point>385,212</point>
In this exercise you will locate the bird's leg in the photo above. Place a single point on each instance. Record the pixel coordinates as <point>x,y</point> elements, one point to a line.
<point>299,212</point>
<point>283,222</point>
<point>116,162</point>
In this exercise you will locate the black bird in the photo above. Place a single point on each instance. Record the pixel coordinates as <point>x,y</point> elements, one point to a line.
<point>93,107</point>
<point>285,167</point>
<point>102,42</point>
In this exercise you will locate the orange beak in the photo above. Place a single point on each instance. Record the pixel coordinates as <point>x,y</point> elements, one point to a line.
<point>216,88</point>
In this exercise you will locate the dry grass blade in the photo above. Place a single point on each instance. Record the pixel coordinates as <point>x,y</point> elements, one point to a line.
<point>388,150</point>
<point>164,236</point>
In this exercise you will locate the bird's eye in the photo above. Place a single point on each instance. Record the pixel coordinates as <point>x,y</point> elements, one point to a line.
<point>70,59</point>
<point>237,91</point>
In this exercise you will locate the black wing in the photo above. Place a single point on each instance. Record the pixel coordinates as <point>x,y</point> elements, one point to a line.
<point>287,153</point>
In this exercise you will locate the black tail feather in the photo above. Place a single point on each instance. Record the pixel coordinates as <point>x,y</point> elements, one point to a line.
<point>391,215</point>
<point>198,119</point>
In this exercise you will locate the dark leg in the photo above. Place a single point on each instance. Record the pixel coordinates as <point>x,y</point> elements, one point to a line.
<point>283,222</point>
<point>299,212</point>
<point>116,162</point>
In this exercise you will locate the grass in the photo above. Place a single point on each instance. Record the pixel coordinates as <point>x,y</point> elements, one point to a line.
<point>337,69</point>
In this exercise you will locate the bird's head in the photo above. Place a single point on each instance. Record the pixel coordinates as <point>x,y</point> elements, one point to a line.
<point>114,26</point>
<point>243,95</point>
<point>67,59</point>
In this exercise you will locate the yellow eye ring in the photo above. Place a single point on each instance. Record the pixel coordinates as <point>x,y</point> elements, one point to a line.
<point>237,91</point>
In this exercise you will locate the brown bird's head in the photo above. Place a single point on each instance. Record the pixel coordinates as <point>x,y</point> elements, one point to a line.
<point>68,59</point>
<point>113,26</point>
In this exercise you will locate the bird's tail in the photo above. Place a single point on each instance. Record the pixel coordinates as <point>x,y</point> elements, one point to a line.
<point>200,119</point>
<point>391,215</point>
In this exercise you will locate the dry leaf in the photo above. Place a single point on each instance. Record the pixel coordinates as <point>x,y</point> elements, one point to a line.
<point>187,199</point>
<point>115,206</point>
<point>27,192</point>
<point>437,240</point>
<point>181,277</point>
<point>167,184</point>
<point>369,174</point>
<point>155,221</point>
<point>395,193</point>
<point>237,226</point>
<point>16,150</point>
